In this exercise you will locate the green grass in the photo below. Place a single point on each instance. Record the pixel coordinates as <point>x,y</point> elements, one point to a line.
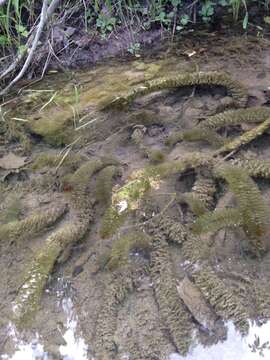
<point>18,19</point>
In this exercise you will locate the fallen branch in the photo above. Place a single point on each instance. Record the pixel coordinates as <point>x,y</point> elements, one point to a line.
<point>46,13</point>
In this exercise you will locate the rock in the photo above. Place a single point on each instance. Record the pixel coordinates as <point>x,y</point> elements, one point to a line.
<point>196,303</point>
<point>12,161</point>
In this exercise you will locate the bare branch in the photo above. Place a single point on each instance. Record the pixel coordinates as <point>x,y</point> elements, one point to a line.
<point>46,13</point>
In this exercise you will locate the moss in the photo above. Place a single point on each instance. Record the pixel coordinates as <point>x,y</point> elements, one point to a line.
<point>255,213</point>
<point>54,126</point>
<point>79,181</point>
<point>156,156</point>
<point>12,209</point>
<point>123,245</point>
<point>221,297</point>
<point>119,285</point>
<point>186,79</point>
<point>174,138</point>
<point>172,310</point>
<point>132,191</point>
<point>216,220</point>
<point>111,222</point>
<point>245,138</point>
<point>29,295</point>
<point>104,184</point>
<point>32,225</point>
<point>15,131</point>
<point>49,160</point>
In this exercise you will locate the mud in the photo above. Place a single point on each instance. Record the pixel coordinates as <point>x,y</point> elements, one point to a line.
<point>94,305</point>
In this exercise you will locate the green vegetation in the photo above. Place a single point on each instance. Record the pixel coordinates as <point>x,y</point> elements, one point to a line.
<point>23,23</point>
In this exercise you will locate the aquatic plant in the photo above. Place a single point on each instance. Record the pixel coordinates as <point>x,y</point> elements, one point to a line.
<point>255,168</point>
<point>127,198</point>
<point>255,213</point>
<point>154,155</point>
<point>216,220</point>
<point>256,114</point>
<point>206,130</point>
<point>172,310</point>
<point>81,205</point>
<point>32,225</point>
<point>118,286</point>
<point>28,298</point>
<point>104,184</point>
<point>213,78</point>
<point>123,245</point>
<point>222,298</point>
<point>245,138</point>
<point>171,230</point>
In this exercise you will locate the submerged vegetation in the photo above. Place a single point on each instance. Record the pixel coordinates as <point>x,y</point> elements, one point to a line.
<point>154,210</point>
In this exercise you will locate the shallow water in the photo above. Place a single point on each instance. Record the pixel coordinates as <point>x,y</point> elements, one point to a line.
<point>234,347</point>
<point>74,349</point>
<point>74,313</point>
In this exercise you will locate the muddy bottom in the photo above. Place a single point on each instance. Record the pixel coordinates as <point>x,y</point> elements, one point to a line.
<point>161,295</point>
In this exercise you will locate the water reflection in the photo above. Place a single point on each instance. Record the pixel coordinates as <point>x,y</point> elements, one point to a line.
<point>254,346</point>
